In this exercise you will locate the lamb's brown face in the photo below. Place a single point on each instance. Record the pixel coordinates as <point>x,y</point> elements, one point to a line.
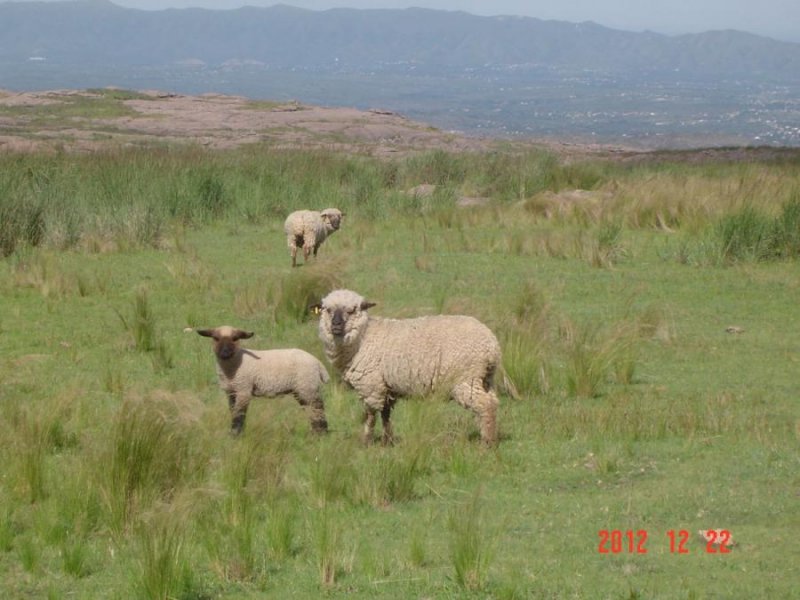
<point>225,347</point>
<point>226,340</point>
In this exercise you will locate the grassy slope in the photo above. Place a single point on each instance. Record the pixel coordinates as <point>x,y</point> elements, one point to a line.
<point>704,435</point>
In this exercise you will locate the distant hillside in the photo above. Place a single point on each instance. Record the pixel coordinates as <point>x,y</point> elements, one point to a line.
<point>99,33</point>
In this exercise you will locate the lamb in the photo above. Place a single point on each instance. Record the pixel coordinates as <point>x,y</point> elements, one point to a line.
<point>246,373</point>
<point>386,359</point>
<point>307,229</point>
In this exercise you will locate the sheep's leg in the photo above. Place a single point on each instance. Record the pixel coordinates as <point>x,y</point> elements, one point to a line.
<point>292,241</point>
<point>386,415</point>
<point>483,403</point>
<point>316,415</point>
<point>487,416</point>
<point>238,405</point>
<point>309,243</point>
<point>369,425</point>
<point>372,404</point>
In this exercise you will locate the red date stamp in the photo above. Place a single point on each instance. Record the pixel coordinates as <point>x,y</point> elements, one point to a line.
<point>614,541</point>
<point>630,541</point>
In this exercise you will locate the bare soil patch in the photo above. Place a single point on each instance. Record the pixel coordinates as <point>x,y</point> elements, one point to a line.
<point>215,121</point>
<point>66,120</point>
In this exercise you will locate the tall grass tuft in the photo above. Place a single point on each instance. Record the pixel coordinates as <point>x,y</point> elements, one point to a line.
<point>148,455</point>
<point>471,544</point>
<point>76,557</point>
<point>593,355</point>
<point>281,531</point>
<point>751,235</point>
<point>296,292</point>
<point>144,226</point>
<point>787,229</point>
<point>332,476</point>
<point>525,340</point>
<point>417,550</point>
<point>609,242</point>
<point>30,554</point>
<point>211,197</point>
<point>746,235</point>
<point>392,476</point>
<point>142,327</point>
<point>22,222</point>
<point>7,531</point>
<point>252,477</point>
<point>438,167</point>
<point>326,538</point>
<point>34,446</point>
<point>161,565</point>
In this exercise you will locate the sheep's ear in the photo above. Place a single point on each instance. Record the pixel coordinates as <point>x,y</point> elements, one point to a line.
<point>206,332</point>
<point>315,308</point>
<point>365,305</point>
<point>242,335</point>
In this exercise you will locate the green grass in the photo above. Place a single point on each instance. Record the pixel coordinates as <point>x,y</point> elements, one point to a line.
<point>633,407</point>
<point>70,109</point>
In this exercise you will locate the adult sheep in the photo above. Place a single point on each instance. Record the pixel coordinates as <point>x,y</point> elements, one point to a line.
<point>307,229</point>
<point>244,373</point>
<point>386,359</point>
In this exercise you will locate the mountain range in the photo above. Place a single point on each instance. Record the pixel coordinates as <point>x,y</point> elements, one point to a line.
<point>499,76</point>
<point>98,32</point>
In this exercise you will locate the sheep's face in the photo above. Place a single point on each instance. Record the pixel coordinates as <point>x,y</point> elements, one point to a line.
<point>343,315</point>
<point>332,218</point>
<point>226,339</point>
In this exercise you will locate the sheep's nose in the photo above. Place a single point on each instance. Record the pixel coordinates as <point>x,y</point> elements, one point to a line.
<point>337,323</point>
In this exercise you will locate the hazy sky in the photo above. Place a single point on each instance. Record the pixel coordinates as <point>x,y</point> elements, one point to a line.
<point>776,18</point>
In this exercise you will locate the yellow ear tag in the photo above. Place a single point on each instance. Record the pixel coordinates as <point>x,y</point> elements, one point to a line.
<point>317,310</point>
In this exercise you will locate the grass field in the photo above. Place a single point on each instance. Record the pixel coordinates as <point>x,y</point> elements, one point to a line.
<point>634,408</point>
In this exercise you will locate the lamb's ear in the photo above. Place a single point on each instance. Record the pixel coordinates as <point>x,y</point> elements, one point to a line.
<point>365,305</point>
<point>315,308</point>
<point>206,332</point>
<point>242,335</point>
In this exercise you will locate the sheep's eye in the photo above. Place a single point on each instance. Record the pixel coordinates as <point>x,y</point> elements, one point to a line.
<point>350,311</point>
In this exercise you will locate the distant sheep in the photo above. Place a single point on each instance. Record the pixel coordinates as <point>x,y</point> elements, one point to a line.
<point>387,359</point>
<point>307,229</point>
<point>246,373</point>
